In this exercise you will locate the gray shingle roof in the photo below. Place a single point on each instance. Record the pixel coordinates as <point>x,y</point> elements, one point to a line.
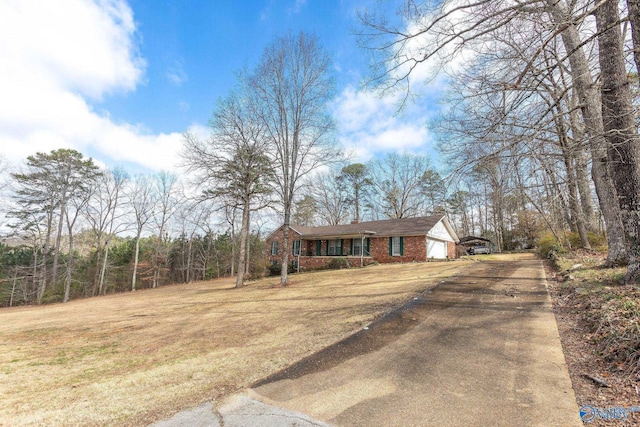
<point>390,227</point>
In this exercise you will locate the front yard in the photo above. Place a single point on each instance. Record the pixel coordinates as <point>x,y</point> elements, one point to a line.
<point>135,358</point>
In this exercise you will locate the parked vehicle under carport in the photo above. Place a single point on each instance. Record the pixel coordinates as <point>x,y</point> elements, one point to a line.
<point>479,249</point>
<point>474,245</point>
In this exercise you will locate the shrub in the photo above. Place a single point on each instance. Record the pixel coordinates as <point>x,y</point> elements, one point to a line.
<point>276,269</point>
<point>338,264</point>
<point>547,245</point>
<point>596,240</point>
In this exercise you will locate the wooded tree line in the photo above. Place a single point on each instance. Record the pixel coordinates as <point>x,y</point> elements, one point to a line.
<point>78,231</point>
<point>542,110</point>
<point>268,134</point>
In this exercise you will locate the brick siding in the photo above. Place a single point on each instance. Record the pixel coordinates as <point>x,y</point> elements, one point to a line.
<point>451,250</point>
<point>415,249</point>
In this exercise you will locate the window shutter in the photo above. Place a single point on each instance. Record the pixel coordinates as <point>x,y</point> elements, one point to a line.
<point>401,246</point>
<point>318,247</point>
<point>351,248</point>
<point>390,246</point>
<point>368,243</point>
<point>340,247</point>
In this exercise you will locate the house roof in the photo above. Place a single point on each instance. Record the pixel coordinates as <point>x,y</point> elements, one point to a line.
<point>386,228</point>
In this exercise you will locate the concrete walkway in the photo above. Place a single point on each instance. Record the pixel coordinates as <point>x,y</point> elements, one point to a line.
<point>478,350</point>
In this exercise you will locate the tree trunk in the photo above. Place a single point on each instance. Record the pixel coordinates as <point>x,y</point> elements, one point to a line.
<point>233,249</point>
<point>135,262</point>
<point>574,206</point>
<point>67,280</point>
<point>56,250</point>
<point>284,280</point>
<point>45,252</point>
<point>592,114</point>
<point>34,273</point>
<point>634,18</point>
<point>621,130</point>
<point>103,269</point>
<point>247,268</point>
<point>13,285</point>
<point>582,168</point>
<point>189,258</point>
<point>244,231</point>
<point>584,189</point>
<point>96,277</point>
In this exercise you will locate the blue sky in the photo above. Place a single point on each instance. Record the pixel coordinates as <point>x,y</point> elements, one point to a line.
<point>194,48</point>
<point>121,81</point>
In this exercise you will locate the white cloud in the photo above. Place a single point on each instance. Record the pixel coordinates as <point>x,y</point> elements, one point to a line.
<point>297,6</point>
<point>184,106</point>
<point>368,125</point>
<point>55,57</point>
<point>176,74</point>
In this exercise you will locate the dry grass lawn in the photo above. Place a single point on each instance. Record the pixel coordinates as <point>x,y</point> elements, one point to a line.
<point>132,359</point>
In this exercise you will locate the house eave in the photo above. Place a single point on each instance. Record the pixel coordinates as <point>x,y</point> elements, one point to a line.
<point>338,236</point>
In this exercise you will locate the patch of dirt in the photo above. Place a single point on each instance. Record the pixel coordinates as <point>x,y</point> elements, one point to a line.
<point>607,387</point>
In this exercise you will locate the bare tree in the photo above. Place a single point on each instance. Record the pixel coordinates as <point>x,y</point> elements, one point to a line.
<point>233,166</point>
<point>621,129</point>
<point>592,115</point>
<point>165,189</point>
<point>398,179</point>
<point>329,195</point>
<point>305,211</point>
<point>72,212</point>
<point>105,215</point>
<point>429,35</point>
<point>141,199</point>
<point>355,178</point>
<point>293,86</point>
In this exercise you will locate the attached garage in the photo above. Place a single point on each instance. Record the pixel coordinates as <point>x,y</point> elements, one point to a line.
<point>436,249</point>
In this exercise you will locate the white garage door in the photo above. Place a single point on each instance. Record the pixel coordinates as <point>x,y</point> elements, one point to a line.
<point>436,249</point>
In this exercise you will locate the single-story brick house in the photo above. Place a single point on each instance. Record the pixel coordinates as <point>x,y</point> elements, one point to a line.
<point>393,240</point>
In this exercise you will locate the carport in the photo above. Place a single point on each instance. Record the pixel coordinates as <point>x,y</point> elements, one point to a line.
<point>470,241</point>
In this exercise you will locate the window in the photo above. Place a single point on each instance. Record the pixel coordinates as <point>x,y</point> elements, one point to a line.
<point>295,248</point>
<point>274,247</point>
<point>360,246</point>
<point>396,246</point>
<point>357,247</point>
<point>334,247</point>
